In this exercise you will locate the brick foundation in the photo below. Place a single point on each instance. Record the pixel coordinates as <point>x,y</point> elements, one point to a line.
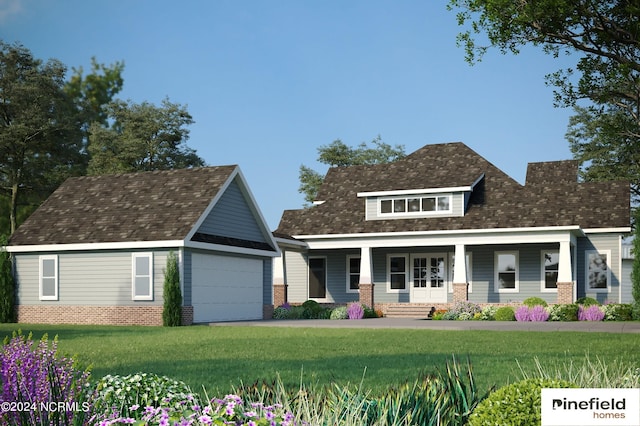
<point>99,315</point>
<point>460,292</point>
<point>565,293</point>
<point>366,294</point>
<point>279,294</point>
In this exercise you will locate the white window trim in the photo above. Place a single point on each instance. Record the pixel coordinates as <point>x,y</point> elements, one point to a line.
<point>134,256</point>
<point>418,213</point>
<point>349,257</point>
<point>543,271</point>
<point>40,276</point>
<point>469,259</point>
<point>406,273</point>
<point>496,285</point>
<point>586,271</point>
<point>326,273</point>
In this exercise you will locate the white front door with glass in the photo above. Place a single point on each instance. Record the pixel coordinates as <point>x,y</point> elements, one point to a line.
<point>428,278</point>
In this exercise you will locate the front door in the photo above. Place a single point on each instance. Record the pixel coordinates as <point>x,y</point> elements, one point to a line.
<point>428,278</point>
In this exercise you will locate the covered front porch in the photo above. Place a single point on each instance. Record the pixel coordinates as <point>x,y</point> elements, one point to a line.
<point>501,266</point>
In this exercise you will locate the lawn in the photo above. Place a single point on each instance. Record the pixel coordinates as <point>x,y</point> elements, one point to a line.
<point>220,357</point>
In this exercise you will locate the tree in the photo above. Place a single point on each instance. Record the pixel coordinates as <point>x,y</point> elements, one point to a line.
<point>39,143</point>
<point>142,137</point>
<point>7,286</point>
<point>605,35</point>
<point>172,311</point>
<point>337,154</point>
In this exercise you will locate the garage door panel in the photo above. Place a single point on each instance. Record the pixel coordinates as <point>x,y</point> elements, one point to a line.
<point>226,288</point>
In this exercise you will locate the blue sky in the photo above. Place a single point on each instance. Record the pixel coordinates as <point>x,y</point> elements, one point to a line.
<point>268,82</point>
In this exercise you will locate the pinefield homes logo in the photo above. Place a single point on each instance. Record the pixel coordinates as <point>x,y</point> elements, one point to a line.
<point>586,407</point>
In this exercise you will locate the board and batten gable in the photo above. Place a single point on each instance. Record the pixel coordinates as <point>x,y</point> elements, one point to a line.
<point>88,278</point>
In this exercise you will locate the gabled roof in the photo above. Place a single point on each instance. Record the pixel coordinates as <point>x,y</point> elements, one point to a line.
<point>128,208</point>
<point>552,196</point>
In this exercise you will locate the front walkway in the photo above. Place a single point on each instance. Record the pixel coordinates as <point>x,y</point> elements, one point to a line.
<point>582,326</point>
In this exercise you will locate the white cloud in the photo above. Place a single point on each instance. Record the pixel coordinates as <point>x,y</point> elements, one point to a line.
<point>9,8</point>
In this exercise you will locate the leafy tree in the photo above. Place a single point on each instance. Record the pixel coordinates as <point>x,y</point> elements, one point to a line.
<point>91,93</point>
<point>7,286</point>
<point>142,137</point>
<point>172,312</point>
<point>39,142</point>
<point>604,36</point>
<point>337,154</point>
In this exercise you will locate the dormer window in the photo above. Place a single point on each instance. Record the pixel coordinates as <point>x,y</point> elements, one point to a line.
<point>434,204</point>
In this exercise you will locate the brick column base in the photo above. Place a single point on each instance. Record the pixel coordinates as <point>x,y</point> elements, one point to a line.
<point>565,293</point>
<point>279,295</point>
<point>366,295</point>
<point>460,292</point>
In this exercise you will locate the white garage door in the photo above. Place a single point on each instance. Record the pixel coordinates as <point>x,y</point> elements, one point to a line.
<point>226,288</point>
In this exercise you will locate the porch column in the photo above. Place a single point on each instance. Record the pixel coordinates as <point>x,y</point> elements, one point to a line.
<point>460,282</point>
<point>279,281</point>
<point>565,274</point>
<point>365,284</point>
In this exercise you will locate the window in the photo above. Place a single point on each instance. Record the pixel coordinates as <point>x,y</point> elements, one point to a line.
<point>317,278</point>
<point>353,274</point>
<point>48,277</point>
<point>506,279</point>
<point>416,205</point>
<point>142,276</point>
<point>397,267</point>
<point>598,272</point>
<point>550,260</point>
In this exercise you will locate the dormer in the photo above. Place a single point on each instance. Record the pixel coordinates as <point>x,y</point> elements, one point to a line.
<point>420,203</point>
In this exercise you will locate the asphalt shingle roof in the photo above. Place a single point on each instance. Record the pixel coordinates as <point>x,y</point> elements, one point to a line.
<point>552,196</point>
<point>147,206</point>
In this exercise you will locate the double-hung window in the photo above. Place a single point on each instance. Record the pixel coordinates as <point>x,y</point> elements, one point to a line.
<point>49,279</point>
<point>506,272</point>
<point>550,261</point>
<point>353,274</point>
<point>598,272</point>
<point>397,267</point>
<point>142,276</point>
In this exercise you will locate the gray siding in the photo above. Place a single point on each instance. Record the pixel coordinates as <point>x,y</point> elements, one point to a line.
<point>267,280</point>
<point>188,277</point>
<point>88,278</point>
<point>627,286</point>
<point>296,276</point>
<point>232,217</point>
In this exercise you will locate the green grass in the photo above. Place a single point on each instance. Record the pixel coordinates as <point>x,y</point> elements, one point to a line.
<point>222,357</point>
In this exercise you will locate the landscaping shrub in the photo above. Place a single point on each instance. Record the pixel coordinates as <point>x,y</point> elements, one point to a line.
<point>591,313</point>
<point>534,301</point>
<point>488,313</point>
<point>172,310</point>
<point>355,311</point>
<point>32,373</point>
<point>130,396</point>
<point>515,404</point>
<point>535,313</point>
<point>618,312</point>
<point>339,313</point>
<point>462,311</point>
<point>587,301</point>
<point>368,312</point>
<point>313,310</point>
<point>505,313</point>
<point>563,312</point>
<point>282,311</point>
<point>439,314</point>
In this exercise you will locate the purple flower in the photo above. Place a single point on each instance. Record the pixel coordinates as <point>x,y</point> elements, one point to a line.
<point>355,311</point>
<point>523,314</point>
<point>538,313</point>
<point>591,313</point>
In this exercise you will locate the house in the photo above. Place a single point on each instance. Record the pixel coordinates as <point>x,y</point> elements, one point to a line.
<point>391,235</point>
<point>95,251</point>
